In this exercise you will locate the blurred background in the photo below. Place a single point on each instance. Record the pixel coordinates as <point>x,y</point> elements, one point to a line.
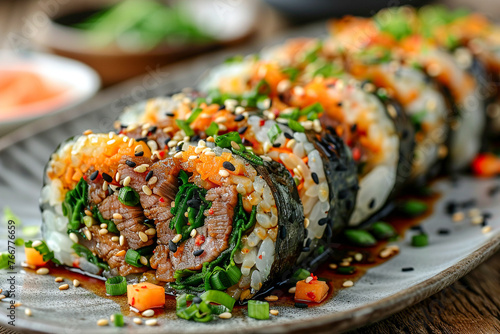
<point>56,54</point>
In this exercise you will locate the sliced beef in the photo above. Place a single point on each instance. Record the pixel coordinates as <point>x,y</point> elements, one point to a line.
<point>96,194</point>
<point>160,262</point>
<point>131,222</point>
<point>106,249</point>
<point>217,230</point>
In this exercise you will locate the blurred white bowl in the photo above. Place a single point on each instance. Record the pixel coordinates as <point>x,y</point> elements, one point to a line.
<point>78,81</point>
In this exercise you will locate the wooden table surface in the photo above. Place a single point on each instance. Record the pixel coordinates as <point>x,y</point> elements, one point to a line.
<point>471,305</point>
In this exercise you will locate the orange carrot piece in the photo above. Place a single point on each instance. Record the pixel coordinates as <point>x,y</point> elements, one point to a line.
<point>314,291</point>
<point>34,257</point>
<point>144,296</point>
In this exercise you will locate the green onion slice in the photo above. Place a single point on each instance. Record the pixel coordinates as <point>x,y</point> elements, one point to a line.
<point>296,126</point>
<point>116,286</point>
<point>118,320</point>
<point>219,297</point>
<point>128,196</point>
<point>274,133</point>
<point>133,258</point>
<point>300,275</point>
<point>213,129</point>
<point>258,309</point>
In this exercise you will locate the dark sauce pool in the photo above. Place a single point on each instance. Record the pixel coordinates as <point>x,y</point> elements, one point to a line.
<point>370,259</point>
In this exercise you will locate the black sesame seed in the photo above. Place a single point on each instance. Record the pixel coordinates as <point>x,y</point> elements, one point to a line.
<point>443,231</point>
<point>153,129</point>
<point>242,130</point>
<point>283,232</point>
<point>172,246</point>
<point>197,300</point>
<point>139,154</point>
<point>195,138</point>
<point>144,139</point>
<point>315,177</point>
<point>306,249</point>
<point>123,126</point>
<point>94,175</point>
<point>328,231</point>
<point>301,305</point>
<point>222,107</point>
<point>107,177</point>
<point>407,269</point>
<point>288,136</point>
<point>149,175</point>
<point>323,221</point>
<point>149,221</point>
<point>229,166</point>
<point>130,163</point>
<point>178,148</point>
<point>167,140</point>
<point>372,203</point>
<point>494,190</point>
<point>276,145</point>
<point>354,127</point>
<point>416,228</point>
<point>6,293</point>
<point>487,215</point>
<point>169,114</point>
<point>198,252</point>
<point>308,242</point>
<point>306,233</point>
<point>339,104</point>
<point>451,208</point>
<point>239,118</point>
<point>469,203</point>
<point>484,223</point>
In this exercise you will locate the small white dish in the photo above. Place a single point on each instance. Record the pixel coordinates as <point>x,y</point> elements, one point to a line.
<point>78,81</point>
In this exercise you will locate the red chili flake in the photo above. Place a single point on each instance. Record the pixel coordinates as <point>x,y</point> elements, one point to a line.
<point>133,301</point>
<point>162,154</point>
<point>262,122</point>
<point>311,295</point>
<point>260,257</point>
<point>200,239</point>
<point>137,290</point>
<point>211,211</point>
<point>85,177</point>
<point>356,153</point>
<point>76,263</point>
<point>162,200</point>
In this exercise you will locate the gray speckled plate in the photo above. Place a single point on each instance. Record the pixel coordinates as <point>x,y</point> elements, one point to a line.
<point>384,290</point>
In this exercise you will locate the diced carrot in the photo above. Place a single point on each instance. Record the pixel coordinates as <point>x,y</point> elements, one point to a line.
<point>34,257</point>
<point>486,164</point>
<point>314,291</point>
<point>144,296</point>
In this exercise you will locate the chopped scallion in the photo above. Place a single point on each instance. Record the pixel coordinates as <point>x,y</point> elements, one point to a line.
<point>258,309</point>
<point>133,258</point>
<point>116,286</point>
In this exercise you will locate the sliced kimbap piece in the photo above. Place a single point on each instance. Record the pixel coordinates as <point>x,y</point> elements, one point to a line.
<point>179,220</point>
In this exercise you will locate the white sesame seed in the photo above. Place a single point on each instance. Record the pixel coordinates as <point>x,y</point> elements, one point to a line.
<point>117,216</point>
<point>220,119</point>
<point>117,176</point>
<point>274,312</point>
<point>140,169</point>
<point>309,279</point>
<point>36,243</point>
<point>150,231</point>
<point>267,146</point>
<point>486,229</point>
<point>193,157</point>
<point>87,212</point>
<point>332,266</point>
<point>131,142</point>
<point>42,271</point>
<point>148,313</point>
<point>76,283</point>
<point>112,318</point>
<point>143,260</point>
<point>146,190</point>
<point>272,298</point>
<point>103,231</point>
<point>477,220</point>
<point>103,225</point>
<point>172,143</point>
<point>306,222</point>
<point>283,85</point>
<point>64,287</point>
<point>235,145</point>
<point>292,290</point>
<point>385,253</point>
<point>458,216</point>
<point>115,238</point>
<point>2,297</point>
<point>347,284</point>
<point>102,322</point>
<point>202,143</point>
<point>223,173</point>
<point>87,132</point>
<point>27,311</point>
<point>291,143</point>
<point>358,257</point>
<point>151,322</point>
<point>266,158</point>
<point>126,182</point>
<point>111,142</point>
<point>137,321</point>
<point>105,186</point>
<point>122,240</point>
<point>239,110</point>
<point>198,149</point>
<point>177,238</point>
<point>58,279</point>
<point>210,153</point>
<point>298,90</point>
<point>143,236</point>
<point>225,315</point>
<point>152,145</point>
<point>138,149</point>
<point>193,233</point>
<point>307,125</point>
